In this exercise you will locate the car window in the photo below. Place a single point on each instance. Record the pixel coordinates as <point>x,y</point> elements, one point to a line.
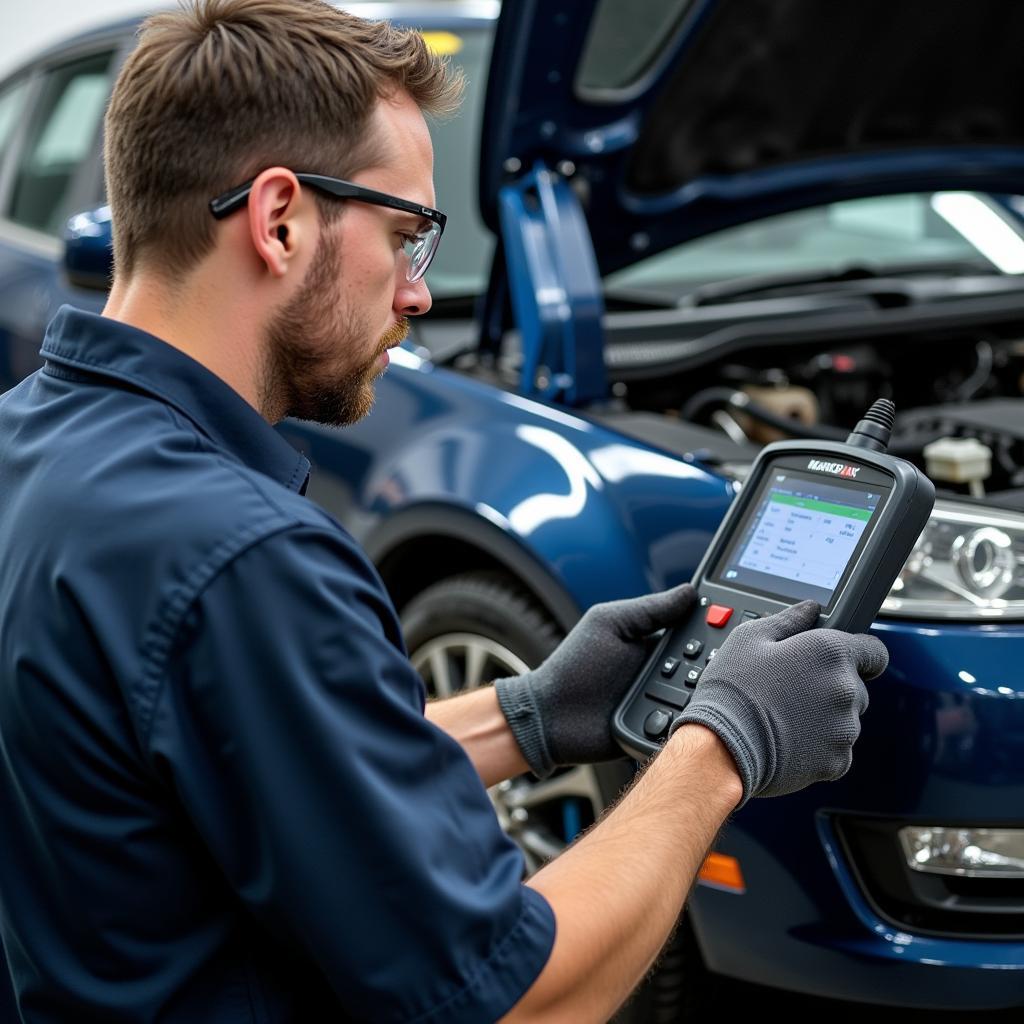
<point>61,136</point>
<point>464,256</point>
<point>879,233</point>
<point>12,99</point>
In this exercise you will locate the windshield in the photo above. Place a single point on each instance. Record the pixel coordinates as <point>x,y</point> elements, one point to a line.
<point>880,233</point>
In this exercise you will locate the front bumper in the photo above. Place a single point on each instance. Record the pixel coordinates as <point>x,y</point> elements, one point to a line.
<point>942,743</point>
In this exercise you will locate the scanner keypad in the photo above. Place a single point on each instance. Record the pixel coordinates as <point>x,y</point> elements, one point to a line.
<point>685,658</point>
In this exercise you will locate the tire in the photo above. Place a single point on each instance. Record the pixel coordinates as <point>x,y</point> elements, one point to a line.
<point>488,605</point>
<point>491,613</point>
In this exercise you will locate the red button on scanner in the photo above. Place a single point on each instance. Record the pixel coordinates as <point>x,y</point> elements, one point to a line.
<point>718,615</point>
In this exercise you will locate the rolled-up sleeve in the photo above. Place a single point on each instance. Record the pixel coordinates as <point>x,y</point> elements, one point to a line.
<point>291,727</point>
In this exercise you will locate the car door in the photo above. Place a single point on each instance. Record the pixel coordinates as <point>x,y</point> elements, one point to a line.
<point>50,136</point>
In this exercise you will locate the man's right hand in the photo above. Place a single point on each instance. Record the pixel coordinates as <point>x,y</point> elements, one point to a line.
<point>786,699</point>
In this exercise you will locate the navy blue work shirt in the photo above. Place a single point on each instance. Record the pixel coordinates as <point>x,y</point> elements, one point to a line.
<point>219,797</point>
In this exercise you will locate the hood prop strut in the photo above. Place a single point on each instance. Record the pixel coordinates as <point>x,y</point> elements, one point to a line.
<point>555,289</point>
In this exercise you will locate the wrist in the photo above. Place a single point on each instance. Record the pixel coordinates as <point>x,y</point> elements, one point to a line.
<point>697,742</point>
<point>518,705</point>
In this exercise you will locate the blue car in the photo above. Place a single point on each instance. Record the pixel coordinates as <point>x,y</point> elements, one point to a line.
<point>680,229</point>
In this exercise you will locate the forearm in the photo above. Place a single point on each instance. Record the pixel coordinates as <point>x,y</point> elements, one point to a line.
<point>475,721</point>
<point>618,892</point>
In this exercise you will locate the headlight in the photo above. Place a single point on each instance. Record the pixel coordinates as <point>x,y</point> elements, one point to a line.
<point>967,564</point>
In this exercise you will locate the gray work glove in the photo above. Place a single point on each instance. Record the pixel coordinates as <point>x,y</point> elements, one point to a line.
<point>561,712</point>
<point>786,699</point>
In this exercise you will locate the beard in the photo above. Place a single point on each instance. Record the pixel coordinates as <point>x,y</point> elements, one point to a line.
<point>312,368</point>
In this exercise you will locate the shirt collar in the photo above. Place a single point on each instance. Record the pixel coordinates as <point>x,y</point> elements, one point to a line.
<point>110,348</point>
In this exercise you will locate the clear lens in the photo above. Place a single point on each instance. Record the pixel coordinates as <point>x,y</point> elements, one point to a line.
<point>973,852</point>
<point>968,563</point>
<point>420,251</point>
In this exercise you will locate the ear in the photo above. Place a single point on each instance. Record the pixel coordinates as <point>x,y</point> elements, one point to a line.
<point>274,224</point>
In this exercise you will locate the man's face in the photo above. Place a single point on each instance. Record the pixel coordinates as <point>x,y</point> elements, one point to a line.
<point>327,344</point>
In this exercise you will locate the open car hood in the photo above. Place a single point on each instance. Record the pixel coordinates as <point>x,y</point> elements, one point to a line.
<point>677,118</point>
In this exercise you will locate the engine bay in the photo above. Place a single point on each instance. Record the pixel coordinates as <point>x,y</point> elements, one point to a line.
<point>964,385</point>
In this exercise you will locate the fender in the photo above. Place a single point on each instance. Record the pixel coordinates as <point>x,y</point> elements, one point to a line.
<point>438,519</point>
<point>605,516</point>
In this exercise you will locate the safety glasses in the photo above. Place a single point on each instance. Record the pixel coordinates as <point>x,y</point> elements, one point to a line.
<point>419,246</point>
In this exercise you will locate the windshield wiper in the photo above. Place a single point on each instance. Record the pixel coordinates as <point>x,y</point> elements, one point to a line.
<point>756,284</point>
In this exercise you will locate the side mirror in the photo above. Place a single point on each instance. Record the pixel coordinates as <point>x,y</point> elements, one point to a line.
<point>89,250</point>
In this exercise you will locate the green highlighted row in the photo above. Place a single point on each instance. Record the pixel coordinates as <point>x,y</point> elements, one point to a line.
<point>850,511</point>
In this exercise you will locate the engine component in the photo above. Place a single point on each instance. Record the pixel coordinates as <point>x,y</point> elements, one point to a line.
<point>959,460</point>
<point>739,401</point>
<point>786,401</point>
<point>997,423</point>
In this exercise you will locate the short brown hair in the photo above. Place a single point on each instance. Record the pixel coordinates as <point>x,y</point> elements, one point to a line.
<point>221,89</point>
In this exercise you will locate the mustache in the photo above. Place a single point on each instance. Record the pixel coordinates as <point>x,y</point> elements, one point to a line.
<point>395,334</point>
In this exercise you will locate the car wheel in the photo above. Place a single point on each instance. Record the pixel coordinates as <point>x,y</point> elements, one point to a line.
<point>479,626</point>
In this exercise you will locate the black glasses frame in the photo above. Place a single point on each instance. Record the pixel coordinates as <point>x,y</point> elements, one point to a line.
<point>236,198</point>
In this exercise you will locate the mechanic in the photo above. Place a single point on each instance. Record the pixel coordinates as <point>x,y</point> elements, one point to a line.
<point>221,797</point>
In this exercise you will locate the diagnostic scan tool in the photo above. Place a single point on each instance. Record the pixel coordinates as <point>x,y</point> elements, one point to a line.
<point>822,520</point>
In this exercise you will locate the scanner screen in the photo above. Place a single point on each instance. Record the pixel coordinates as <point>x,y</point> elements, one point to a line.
<point>800,535</point>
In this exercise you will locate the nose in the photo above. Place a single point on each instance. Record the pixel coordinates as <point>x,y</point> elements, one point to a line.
<point>412,298</point>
